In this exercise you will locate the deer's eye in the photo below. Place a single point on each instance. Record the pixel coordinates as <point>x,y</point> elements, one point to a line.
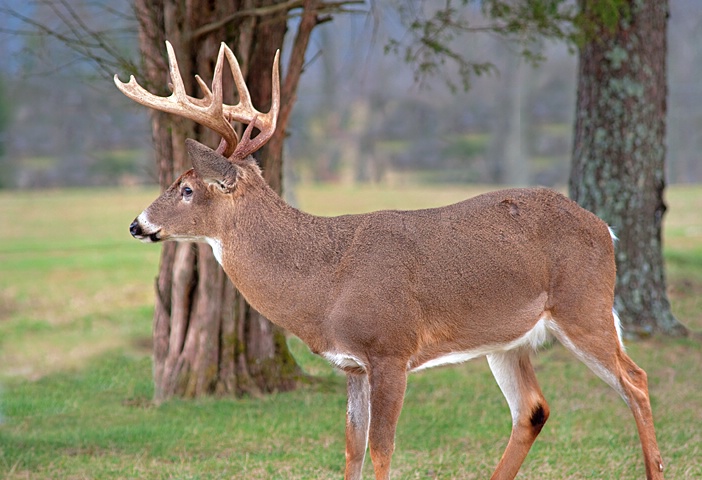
<point>187,192</point>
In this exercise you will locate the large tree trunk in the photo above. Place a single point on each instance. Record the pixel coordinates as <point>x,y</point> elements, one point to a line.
<point>619,155</point>
<point>207,339</point>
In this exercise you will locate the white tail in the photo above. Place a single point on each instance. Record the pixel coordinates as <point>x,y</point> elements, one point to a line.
<point>386,293</point>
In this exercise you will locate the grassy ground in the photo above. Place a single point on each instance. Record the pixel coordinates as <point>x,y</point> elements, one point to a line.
<point>75,320</point>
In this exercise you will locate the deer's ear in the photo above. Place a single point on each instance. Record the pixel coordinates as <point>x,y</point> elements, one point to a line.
<point>212,167</point>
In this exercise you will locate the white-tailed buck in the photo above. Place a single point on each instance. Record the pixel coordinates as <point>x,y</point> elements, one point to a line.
<point>383,294</point>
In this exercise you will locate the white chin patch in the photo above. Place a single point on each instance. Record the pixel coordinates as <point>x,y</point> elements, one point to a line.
<point>148,239</point>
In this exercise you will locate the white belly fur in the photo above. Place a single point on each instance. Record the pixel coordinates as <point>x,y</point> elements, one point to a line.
<point>533,339</point>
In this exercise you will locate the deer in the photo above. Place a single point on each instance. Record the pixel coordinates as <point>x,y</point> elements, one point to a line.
<point>383,294</point>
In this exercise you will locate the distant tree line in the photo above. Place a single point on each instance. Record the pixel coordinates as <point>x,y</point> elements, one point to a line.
<point>60,124</point>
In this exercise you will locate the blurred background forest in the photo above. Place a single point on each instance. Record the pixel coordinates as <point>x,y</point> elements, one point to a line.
<point>361,114</point>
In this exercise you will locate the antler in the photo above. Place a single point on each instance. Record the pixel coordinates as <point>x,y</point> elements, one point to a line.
<point>211,111</point>
<point>244,112</point>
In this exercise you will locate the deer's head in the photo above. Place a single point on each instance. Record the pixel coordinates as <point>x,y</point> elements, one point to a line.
<point>192,206</point>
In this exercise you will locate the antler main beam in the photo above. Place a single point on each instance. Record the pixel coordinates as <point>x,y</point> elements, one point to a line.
<point>211,111</point>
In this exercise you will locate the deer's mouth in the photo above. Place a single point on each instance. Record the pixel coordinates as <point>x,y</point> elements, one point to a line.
<point>146,235</point>
<point>152,237</point>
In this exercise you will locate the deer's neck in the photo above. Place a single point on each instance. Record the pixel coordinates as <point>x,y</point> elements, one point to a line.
<point>283,260</point>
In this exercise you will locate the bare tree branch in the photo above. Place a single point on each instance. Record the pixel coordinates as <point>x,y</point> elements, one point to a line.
<point>272,9</point>
<point>77,36</point>
<point>431,29</point>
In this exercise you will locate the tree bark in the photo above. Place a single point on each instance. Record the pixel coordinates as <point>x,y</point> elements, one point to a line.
<point>619,155</point>
<point>207,339</point>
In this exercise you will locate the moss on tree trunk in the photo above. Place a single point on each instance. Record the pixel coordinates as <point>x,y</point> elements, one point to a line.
<point>618,169</point>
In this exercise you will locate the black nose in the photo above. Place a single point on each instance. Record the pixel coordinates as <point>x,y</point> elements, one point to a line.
<point>135,229</point>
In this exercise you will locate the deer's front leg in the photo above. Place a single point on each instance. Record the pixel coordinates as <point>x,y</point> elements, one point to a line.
<point>388,381</point>
<point>357,423</point>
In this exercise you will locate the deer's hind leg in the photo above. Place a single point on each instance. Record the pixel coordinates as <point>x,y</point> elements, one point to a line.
<point>515,376</point>
<point>601,350</point>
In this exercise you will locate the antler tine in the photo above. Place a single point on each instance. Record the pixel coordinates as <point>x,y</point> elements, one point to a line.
<point>205,90</point>
<point>244,112</point>
<point>208,111</point>
<point>245,103</point>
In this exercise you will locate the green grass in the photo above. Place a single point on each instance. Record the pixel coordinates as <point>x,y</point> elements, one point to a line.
<point>76,297</point>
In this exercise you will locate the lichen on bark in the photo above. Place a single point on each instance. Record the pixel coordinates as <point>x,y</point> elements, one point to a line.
<point>619,157</point>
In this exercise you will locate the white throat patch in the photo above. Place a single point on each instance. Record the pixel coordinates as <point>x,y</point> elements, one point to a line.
<point>216,248</point>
